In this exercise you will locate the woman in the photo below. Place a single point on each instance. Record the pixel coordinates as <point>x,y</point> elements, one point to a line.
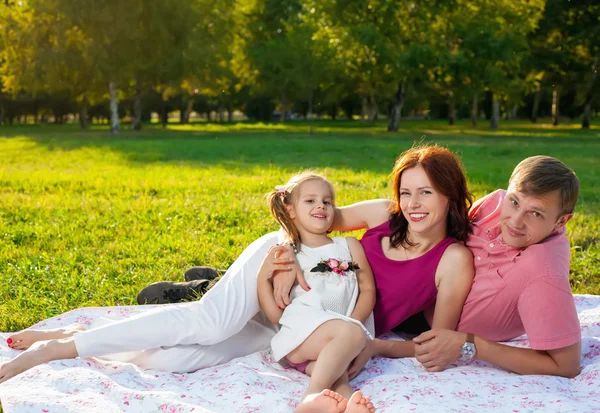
<point>411,243</point>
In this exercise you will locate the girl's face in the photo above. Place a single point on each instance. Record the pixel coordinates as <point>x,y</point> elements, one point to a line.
<point>424,208</point>
<point>312,209</point>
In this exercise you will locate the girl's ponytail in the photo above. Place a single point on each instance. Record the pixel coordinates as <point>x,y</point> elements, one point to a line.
<point>277,200</point>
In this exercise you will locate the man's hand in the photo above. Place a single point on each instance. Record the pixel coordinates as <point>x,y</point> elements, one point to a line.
<point>283,281</point>
<point>361,360</point>
<point>437,349</point>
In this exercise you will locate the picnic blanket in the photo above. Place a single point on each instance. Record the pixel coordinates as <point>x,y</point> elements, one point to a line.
<point>256,383</point>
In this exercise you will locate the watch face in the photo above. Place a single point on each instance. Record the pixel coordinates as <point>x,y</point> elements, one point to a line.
<point>468,350</point>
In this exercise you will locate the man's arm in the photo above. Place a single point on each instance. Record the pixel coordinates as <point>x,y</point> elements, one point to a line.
<point>563,362</point>
<point>440,347</point>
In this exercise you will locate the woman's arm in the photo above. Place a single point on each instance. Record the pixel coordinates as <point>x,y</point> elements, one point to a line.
<point>366,283</point>
<point>269,266</point>
<point>366,214</point>
<point>454,277</point>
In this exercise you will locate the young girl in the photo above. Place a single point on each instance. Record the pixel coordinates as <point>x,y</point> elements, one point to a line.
<point>322,330</point>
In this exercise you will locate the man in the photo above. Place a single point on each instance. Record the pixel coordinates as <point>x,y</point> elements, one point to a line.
<point>521,283</point>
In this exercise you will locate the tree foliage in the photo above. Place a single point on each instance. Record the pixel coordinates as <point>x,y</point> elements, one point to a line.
<point>333,57</point>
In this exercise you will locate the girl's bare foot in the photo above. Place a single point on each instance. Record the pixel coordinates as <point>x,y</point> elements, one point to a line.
<point>24,339</point>
<point>327,401</point>
<point>360,404</point>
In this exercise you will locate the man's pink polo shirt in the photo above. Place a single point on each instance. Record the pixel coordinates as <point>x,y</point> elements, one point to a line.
<point>518,291</point>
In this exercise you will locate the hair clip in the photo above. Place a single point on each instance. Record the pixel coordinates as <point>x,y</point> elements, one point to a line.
<point>281,189</point>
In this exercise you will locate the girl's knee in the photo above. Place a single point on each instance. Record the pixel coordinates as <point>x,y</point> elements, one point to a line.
<point>353,334</point>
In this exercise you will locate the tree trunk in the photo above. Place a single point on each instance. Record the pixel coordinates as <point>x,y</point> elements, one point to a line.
<point>83,113</point>
<point>221,114</point>
<point>475,110</point>
<point>2,112</point>
<point>137,107</point>
<point>495,118</point>
<point>230,114</point>
<point>282,108</point>
<point>555,111</point>
<point>364,109</point>
<point>188,110</point>
<point>164,115</point>
<point>310,120</point>
<point>587,115</point>
<point>536,104</point>
<point>451,110</point>
<point>115,125</point>
<point>587,108</point>
<point>396,109</point>
<point>373,109</point>
<point>513,114</point>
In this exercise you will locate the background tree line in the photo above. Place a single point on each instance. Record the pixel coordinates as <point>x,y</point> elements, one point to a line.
<point>110,60</point>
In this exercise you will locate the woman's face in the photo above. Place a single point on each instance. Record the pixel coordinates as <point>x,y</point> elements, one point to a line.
<point>425,208</point>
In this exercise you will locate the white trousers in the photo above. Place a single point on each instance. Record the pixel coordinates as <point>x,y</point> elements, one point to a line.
<point>224,324</point>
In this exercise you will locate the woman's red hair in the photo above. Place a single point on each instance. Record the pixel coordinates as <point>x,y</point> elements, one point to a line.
<point>445,171</point>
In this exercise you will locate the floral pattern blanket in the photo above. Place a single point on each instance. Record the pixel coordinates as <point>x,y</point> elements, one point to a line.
<point>256,383</point>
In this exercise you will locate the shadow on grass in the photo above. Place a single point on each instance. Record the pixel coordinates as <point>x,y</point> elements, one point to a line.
<point>489,156</point>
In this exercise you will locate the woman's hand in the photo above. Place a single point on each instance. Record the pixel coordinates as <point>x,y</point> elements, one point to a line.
<point>362,359</point>
<point>283,281</point>
<point>275,262</point>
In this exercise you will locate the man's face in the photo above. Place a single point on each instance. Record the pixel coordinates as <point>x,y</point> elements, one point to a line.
<point>526,219</point>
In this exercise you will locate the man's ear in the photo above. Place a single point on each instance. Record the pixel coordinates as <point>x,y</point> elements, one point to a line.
<point>562,221</point>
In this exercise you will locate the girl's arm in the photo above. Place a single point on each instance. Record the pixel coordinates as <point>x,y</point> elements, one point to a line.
<point>366,283</point>
<point>268,268</point>
<point>366,214</point>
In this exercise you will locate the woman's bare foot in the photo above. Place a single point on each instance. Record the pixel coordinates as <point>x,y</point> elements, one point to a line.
<point>24,339</point>
<point>327,401</point>
<point>37,354</point>
<point>360,404</point>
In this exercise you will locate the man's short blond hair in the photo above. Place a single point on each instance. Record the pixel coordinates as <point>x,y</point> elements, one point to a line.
<point>540,175</point>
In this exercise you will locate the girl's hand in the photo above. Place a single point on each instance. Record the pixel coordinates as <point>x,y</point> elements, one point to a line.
<point>284,280</point>
<point>275,261</point>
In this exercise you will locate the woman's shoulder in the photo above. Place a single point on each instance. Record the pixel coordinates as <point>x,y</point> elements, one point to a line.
<point>456,254</point>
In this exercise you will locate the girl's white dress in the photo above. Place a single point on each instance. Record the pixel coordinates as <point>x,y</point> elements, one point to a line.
<point>332,296</point>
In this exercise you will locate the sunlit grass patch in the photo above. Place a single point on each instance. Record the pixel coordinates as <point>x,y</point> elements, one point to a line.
<point>87,218</point>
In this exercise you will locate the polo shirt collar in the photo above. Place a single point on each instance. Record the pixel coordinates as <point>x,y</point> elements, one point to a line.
<point>511,252</point>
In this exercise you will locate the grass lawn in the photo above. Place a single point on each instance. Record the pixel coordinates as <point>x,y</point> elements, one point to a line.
<point>87,219</point>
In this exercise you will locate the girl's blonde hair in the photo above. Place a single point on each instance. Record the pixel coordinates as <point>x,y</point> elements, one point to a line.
<point>287,194</point>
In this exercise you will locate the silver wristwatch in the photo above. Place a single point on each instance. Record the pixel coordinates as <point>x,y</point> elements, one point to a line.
<point>468,350</point>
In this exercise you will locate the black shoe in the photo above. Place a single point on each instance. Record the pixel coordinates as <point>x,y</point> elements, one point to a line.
<point>165,292</point>
<point>203,273</point>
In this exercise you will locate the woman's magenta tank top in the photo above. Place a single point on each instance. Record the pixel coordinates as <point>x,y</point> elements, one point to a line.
<point>404,288</point>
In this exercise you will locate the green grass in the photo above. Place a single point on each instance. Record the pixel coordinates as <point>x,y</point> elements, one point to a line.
<point>88,219</point>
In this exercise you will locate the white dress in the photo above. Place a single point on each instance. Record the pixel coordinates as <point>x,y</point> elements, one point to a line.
<point>332,296</point>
